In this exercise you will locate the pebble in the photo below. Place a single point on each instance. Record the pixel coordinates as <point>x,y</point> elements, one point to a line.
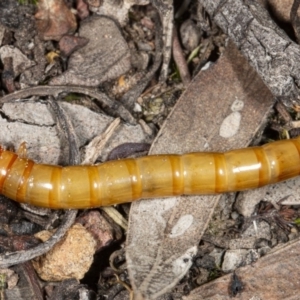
<point>69,258</point>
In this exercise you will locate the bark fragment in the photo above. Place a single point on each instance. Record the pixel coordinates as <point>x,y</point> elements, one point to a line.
<point>268,49</point>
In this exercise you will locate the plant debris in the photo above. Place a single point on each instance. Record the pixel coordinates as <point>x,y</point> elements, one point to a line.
<point>87,81</point>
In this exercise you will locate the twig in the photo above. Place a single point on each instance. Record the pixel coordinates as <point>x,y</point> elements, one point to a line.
<point>114,108</point>
<point>180,60</point>
<point>68,129</point>
<point>93,149</point>
<point>127,149</point>
<point>33,279</point>
<point>295,20</point>
<point>9,259</point>
<point>283,112</point>
<point>166,12</point>
<point>116,216</point>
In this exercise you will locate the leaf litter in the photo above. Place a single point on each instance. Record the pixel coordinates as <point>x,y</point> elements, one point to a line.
<point>112,46</point>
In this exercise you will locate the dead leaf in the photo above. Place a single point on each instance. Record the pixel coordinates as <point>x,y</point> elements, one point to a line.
<point>34,123</point>
<point>105,57</point>
<point>164,233</point>
<point>54,19</point>
<point>19,60</point>
<point>288,190</point>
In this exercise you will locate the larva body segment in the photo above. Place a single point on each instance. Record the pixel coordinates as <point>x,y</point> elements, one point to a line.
<point>147,177</point>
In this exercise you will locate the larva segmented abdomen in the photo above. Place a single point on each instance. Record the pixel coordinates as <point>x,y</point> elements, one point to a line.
<point>147,177</point>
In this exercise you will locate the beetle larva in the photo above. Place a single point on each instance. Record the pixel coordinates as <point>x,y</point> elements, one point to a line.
<point>147,177</point>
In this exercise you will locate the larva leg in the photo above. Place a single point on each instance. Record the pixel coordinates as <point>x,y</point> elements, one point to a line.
<point>22,150</point>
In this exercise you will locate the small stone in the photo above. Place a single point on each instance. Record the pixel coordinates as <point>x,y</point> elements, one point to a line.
<point>10,277</point>
<point>247,201</point>
<point>206,262</point>
<point>202,276</point>
<point>82,9</point>
<point>98,226</point>
<point>69,44</point>
<point>261,230</point>
<point>233,259</point>
<point>234,215</point>
<point>293,235</point>
<point>217,254</point>
<point>69,258</point>
<point>190,35</point>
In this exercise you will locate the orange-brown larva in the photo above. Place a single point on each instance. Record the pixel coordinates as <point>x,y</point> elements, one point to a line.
<point>147,177</point>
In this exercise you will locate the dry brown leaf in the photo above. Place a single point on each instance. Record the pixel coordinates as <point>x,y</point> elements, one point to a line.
<point>54,19</point>
<point>20,61</point>
<point>164,233</point>
<point>105,57</point>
